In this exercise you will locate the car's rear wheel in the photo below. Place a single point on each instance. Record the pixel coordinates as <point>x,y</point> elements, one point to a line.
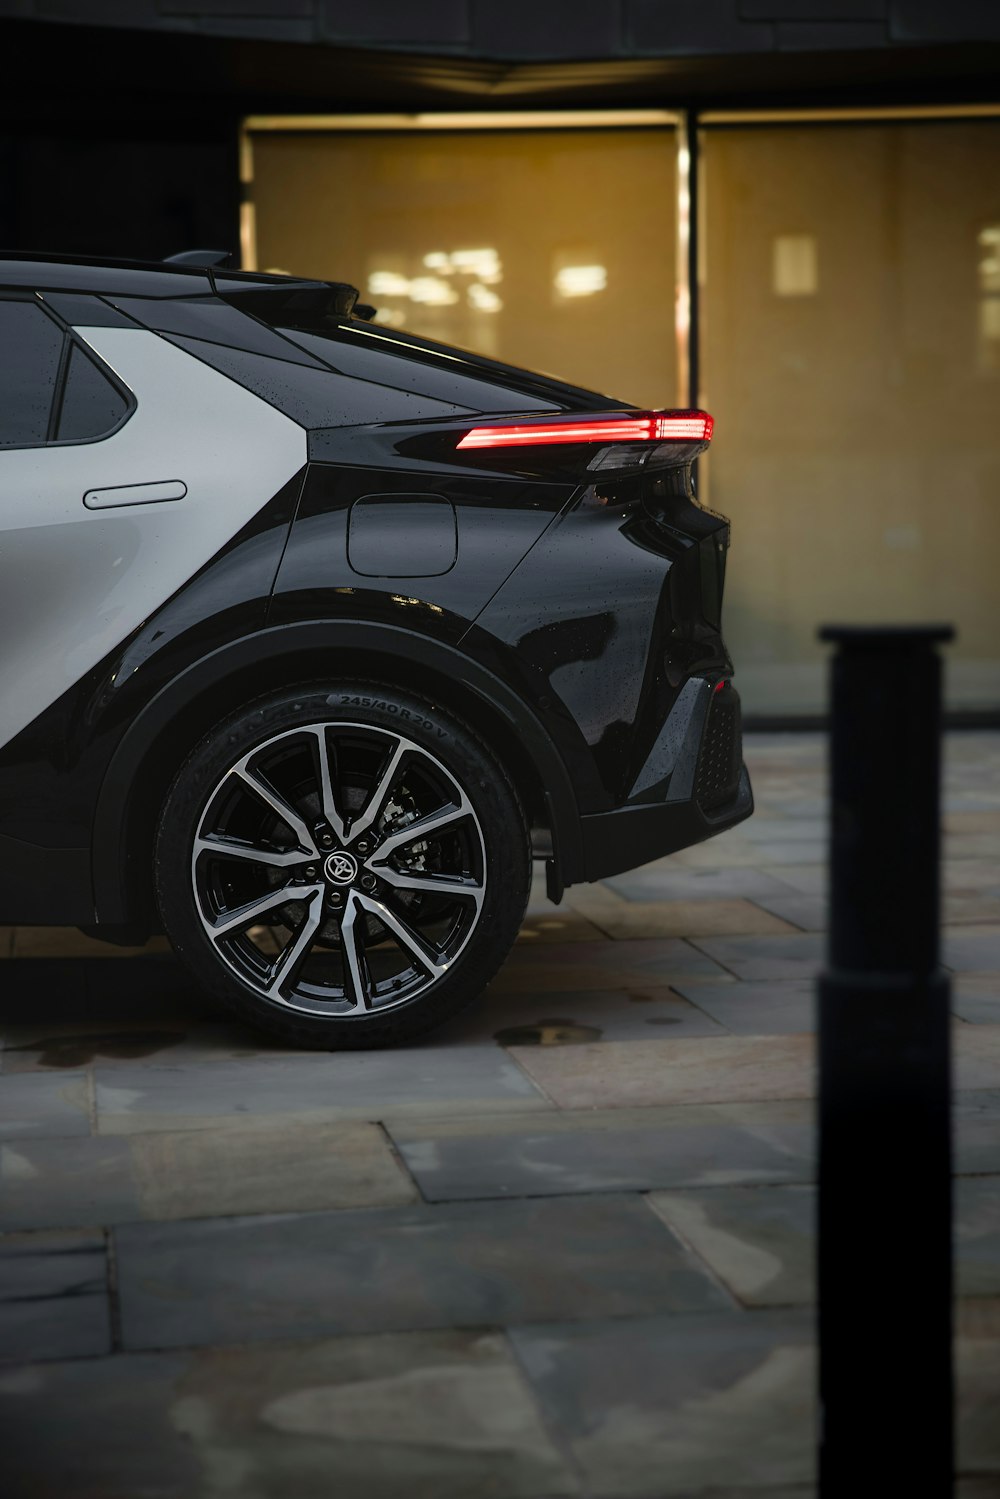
<point>345,865</point>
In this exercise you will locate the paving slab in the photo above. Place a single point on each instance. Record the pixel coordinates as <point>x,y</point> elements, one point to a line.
<point>810,913</point>
<point>781,1007</point>
<point>557,966</point>
<point>183,1039</point>
<point>401,1269</point>
<point>717,1070</point>
<point>53,1297</point>
<point>807,879</point>
<point>574,1016</point>
<point>343,1085</point>
<point>44,1107</point>
<point>975,997</point>
<point>976,1116</point>
<point>558,924</point>
<point>976,1056</point>
<point>981,876</point>
<point>666,880</point>
<point>759,1241</point>
<point>621,918</point>
<point>799,956</point>
<point>977,1236</point>
<point>440,1415</point>
<point>680,1406</point>
<point>972,949</point>
<point>263,1166</point>
<point>610,1151</point>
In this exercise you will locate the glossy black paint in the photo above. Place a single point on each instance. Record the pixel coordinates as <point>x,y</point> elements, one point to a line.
<point>565,600</point>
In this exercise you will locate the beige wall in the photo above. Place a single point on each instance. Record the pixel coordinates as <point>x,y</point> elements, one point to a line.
<point>548,204</point>
<point>847,358</point>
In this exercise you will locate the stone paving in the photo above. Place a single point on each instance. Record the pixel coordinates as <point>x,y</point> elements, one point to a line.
<point>564,1247</point>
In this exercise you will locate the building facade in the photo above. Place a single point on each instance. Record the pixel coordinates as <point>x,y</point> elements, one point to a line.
<point>787,211</point>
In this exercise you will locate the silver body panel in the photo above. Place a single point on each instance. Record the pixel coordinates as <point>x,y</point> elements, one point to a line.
<point>75,581</point>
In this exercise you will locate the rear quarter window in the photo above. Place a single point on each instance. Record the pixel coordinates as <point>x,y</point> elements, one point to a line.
<point>313,397</point>
<point>91,406</point>
<point>31,347</point>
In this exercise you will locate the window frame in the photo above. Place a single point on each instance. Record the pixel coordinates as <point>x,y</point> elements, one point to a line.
<point>71,339</point>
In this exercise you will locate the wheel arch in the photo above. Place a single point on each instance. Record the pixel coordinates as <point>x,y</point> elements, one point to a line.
<point>163,734</point>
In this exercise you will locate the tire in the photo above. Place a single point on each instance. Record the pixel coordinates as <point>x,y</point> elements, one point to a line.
<point>293,880</point>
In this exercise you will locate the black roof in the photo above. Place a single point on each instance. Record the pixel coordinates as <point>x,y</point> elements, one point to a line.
<point>150,278</point>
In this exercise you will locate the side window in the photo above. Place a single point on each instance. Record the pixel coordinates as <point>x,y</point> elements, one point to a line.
<point>91,405</point>
<point>30,351</point>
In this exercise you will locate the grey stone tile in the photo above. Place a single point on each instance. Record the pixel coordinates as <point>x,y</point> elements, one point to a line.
<point>558,924</point>
<point>973,949</point>
<point>764,828</point>
<point>44,1107</point>
<point>440,1415</point>
<point>977,1379</point>
<point>976,1120</point>
<point>576,1015</point>
<point>807,879</point>
<point>53,1297</point>
<point>796,957</point>
<point>401,1269</point>
<point>264,1166</point>
<point>975,998</point>
<point>966,908</point>
<point>618,1074</point>
<point>667,880</point>
<point>620,918</point>
<point>790,851</point>
<point>602,965</point>
<point>345,1085</point>
<point>980,876</point>
<point>682,1406</point>
<point>759,1241</point>
<point>782,1007</point>
<point>811,913</point>
<point>33,1048</point>
<point>690,1146</point>
<point>976,1056</point>
<point>977,1235</point>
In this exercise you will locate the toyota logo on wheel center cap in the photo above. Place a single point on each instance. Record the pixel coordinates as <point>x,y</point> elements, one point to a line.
<point>341,868</point>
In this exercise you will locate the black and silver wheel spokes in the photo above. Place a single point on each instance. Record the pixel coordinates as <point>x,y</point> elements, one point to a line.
<point>339,869</point>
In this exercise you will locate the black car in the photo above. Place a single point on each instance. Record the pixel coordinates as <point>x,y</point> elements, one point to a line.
<point>315,632</point>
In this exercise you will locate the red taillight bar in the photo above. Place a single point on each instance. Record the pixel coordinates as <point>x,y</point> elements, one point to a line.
<point>643,426</point>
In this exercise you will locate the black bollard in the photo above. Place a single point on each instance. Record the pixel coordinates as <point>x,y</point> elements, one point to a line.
<point>885,1380</point>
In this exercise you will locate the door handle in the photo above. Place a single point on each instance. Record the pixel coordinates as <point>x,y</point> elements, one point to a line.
<point>135,494</point>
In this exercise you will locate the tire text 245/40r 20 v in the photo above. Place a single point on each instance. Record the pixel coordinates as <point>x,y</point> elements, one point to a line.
<point>344,865</point>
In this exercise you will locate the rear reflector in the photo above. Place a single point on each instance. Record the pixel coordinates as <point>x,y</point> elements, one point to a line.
<point>643,426</point>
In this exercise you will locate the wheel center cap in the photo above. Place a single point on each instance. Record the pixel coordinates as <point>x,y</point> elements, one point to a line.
<point>341,868</point>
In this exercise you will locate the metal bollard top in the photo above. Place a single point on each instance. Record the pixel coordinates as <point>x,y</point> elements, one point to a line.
<point>887,637</point>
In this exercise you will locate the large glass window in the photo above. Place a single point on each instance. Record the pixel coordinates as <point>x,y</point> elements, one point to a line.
<point>850,337</point>
<point>549,248</point>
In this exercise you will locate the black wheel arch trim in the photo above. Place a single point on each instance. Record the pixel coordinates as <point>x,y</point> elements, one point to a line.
<point>116,898</point>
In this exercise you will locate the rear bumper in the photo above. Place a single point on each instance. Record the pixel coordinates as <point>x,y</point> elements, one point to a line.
<point>693,784</point>
<point>623,839</point>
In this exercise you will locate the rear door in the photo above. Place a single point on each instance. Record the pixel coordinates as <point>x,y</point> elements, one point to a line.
<point>125,466</point>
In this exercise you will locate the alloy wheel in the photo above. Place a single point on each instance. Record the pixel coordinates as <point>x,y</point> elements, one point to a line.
<point>339,869</point>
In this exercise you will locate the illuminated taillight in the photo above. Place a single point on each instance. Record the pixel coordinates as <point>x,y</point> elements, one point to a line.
<point>631,426</point>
